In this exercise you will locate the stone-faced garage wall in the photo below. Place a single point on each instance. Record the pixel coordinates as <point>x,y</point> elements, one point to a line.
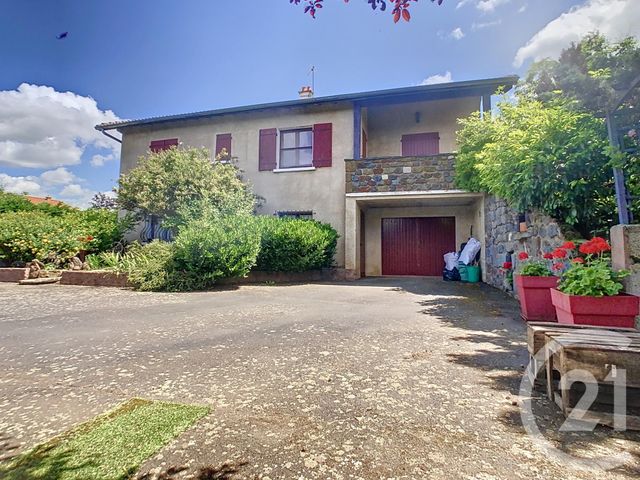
<point>502,236</point>
<point>400,174</point>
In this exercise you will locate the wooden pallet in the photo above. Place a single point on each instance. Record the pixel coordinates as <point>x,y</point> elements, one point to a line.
<point>538,333</point>
<point>570,350</point>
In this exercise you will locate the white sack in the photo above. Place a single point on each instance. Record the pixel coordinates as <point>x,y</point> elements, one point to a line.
<point>450,260</point>
<point>470,251</point>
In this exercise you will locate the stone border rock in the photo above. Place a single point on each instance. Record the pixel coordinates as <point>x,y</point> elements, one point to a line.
<point>94,278</point>
<point>13,275</point>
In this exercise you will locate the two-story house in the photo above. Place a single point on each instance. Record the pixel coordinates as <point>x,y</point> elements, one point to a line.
<point>378,166</point>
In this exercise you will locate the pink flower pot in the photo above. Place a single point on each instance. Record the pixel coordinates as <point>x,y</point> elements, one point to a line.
<point>615,311</point>
<point>535,298</point>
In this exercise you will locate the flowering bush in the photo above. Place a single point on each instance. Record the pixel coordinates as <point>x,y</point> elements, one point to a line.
<point>28,235</point>
<point>54,239</point>
<point>592,275</point>
<point>533,267</point>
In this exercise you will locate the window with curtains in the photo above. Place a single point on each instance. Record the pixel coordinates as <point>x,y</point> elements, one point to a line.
<point>296,148</point>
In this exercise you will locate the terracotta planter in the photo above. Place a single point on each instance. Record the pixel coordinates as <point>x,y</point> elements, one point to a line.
<point>616,311</point>
<point>535,298</point>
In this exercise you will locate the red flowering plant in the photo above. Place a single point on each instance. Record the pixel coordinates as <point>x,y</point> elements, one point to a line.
<point>592,274</point>
<point>532,266</point>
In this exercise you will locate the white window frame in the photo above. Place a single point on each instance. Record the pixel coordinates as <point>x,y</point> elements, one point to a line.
<point>306,168</point>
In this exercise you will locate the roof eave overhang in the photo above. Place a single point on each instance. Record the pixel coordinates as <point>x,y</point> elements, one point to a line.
<point>396,95</point>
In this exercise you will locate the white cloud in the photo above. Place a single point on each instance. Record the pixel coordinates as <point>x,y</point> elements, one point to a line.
<point>433,79</point>
<point>482,25</point>
<point>59,176</point>
<point>48,184</point>
<point>490,5</point>
<point>483,5</point>
<point>100,160</point>
<point>457,33</point>
<point>615,19</point>
<point>43,128</point>
<point>20,185</point>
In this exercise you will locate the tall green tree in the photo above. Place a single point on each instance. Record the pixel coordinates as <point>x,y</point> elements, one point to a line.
<point>536,156</point>
<point>591,73</point>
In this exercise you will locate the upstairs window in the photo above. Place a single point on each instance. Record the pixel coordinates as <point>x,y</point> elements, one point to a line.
<point>159,145</point>
<point>296,148</point>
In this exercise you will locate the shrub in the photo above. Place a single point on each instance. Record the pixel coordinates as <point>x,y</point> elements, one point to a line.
<point>103,226</point>
<point>56,238</point>
<point>295,245</point>
<point>28,235</point>
<point>148,267</point>
<point>209,249</point>
<point>12,202</point>
<point>176,184</point>
<point>536,268</point>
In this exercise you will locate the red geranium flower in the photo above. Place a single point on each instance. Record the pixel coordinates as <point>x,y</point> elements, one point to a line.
<point>507,265</point>
<point>578,260</point>
<point>523,256</point>
<point>548,256</point>
<point>595,246</point>
<point>89,238</point>
<point>568,245</point>
<point>559,253</point>
<point>558,266</point>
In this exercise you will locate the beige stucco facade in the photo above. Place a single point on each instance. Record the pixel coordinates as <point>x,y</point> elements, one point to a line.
<point>385,125</point>
<point>322,190</point>
<point>318,190</point>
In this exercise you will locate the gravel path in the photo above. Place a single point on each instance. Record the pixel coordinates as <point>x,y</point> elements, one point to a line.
<point>380,378</point>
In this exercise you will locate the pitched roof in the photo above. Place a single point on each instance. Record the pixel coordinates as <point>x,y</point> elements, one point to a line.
<point>49,200</point>
<point>422,92</point>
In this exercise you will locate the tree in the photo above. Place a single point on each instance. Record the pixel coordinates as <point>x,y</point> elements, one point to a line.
<point>103,201</point>
<point>592,73</point>
<point>548,157</point>
<point>400,7</point>
<point>181,184</point>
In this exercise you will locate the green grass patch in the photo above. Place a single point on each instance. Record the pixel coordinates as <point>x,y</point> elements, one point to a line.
<point>110,447</point>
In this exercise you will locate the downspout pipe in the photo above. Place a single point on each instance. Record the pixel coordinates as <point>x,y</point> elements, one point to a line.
<point>106,133</point>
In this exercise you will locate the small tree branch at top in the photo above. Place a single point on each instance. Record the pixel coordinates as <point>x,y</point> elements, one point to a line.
<point>400,7</point>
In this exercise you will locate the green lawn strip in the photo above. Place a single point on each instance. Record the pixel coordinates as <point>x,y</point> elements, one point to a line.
<point>110,447</point>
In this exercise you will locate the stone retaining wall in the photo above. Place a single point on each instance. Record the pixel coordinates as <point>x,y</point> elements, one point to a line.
<point>94,278</point>
<point>13,275</point>
<point>400,174</point>
<point>502,237</point>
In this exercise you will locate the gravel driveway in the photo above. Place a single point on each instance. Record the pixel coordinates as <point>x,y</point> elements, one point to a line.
<point>382,378</point>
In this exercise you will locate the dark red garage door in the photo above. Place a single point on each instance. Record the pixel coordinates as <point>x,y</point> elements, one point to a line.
<point>415,246</point>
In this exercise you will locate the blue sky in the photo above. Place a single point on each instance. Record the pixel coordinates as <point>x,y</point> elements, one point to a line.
<point>153,57</point>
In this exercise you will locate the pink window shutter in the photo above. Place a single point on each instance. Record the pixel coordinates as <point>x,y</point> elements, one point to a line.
<point>322,144</point>
<point>160,145</point>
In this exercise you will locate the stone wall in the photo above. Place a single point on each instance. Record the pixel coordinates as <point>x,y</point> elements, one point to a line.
<point>400,174</point>
<point>502,238</point>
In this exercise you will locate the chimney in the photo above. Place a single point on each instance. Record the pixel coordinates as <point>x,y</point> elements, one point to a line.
<point>305,92</point>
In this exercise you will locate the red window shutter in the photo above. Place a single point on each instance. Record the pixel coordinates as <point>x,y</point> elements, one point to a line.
<point>322,142</point>
<point>160,145</point>
<point>267,149</point>
<point>420,144</point>
<point>223,140</point>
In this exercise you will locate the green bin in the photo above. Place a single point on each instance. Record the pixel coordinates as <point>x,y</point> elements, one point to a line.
<point>473,274</point>
<point>464,274</point>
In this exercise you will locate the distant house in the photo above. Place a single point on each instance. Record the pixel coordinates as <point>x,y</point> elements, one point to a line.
<point>49,200</point>
<point>378,166</point>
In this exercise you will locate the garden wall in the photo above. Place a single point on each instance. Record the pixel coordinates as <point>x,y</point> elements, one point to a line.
<point>502,238</point>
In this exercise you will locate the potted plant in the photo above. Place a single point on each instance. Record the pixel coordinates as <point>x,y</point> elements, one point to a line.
<point>589,291</point>
<point>534,282</point>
